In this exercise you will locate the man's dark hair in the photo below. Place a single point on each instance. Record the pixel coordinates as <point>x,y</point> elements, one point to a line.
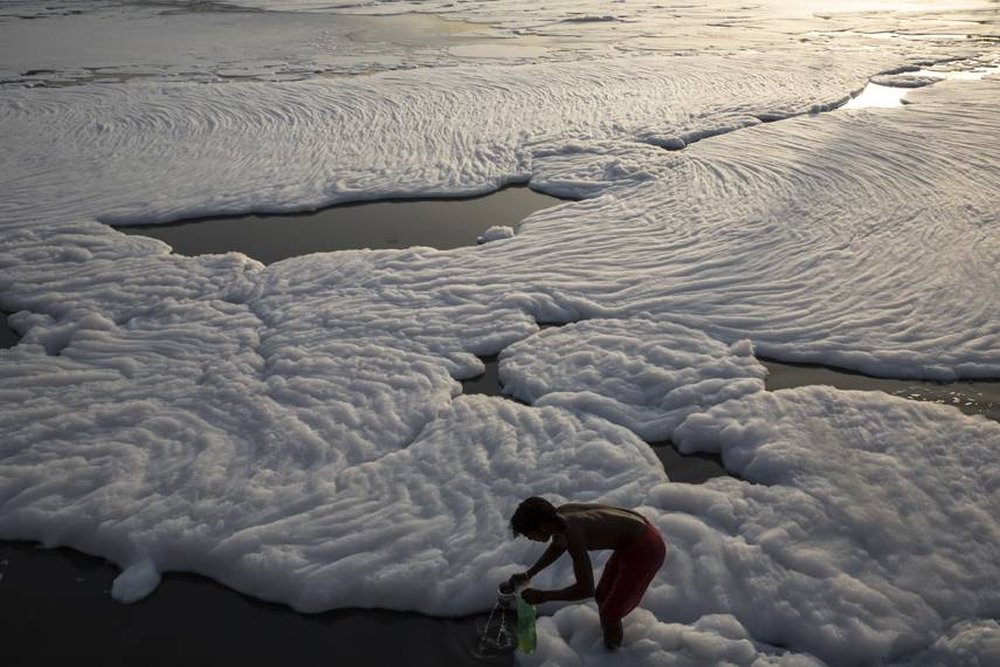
<point>531,514</point>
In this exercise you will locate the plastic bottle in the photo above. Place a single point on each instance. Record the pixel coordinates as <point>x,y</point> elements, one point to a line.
<point>526,638</point>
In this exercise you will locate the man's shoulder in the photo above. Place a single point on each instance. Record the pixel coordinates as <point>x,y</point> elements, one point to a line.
<point>568,509</point>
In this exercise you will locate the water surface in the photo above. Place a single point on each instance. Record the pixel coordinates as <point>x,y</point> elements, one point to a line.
<point>970,396</point>
<point>56,608</point>
<point>438,223</point>
<point>7,336</point>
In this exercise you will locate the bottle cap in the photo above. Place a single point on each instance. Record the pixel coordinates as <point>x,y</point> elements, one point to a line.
<point>506,594</point>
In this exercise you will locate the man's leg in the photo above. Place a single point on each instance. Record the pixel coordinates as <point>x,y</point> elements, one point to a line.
<point>635,570</point>
<point>612,627</point>
<point>612,632</point>
<point>607,581</point>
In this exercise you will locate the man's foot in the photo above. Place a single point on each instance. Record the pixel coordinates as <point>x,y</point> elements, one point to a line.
<point>612,634</point>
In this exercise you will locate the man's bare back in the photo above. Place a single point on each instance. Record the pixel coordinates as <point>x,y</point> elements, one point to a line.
<point>599,526</point>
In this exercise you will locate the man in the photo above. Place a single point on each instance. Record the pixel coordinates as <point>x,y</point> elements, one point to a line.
<point>579,528</point>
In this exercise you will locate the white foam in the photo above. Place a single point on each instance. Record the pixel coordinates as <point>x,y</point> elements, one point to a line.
<point>296,431</point>
<point>873,532</point>
<point>865,531</point>
<point>643,374</point>
<point>727,212</point>
<point>498,51</point>
<point>135,582</point>
<point>265,506</point>
<point>968,643</point>
<point>441,131</point>
<point>495,233</point>
<point>572,637</point>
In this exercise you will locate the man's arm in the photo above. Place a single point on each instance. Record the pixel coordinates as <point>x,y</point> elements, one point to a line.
<point>582,568</point>
<point>549,556</point>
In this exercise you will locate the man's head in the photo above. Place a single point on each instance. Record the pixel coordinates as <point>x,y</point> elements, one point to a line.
<point>536,519</point>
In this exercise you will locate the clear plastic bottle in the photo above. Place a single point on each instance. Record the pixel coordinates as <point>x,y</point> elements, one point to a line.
<point>500,633</point>
<point>526,638</point>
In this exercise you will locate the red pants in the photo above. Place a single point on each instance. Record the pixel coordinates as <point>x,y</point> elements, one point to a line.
<point>628,573</point>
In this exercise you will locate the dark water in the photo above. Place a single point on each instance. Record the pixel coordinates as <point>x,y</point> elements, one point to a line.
<point>688,468</point>
<point>971,397</point>
<point>55,609</point>
<point>488,383</point>
<point>438,223</point>
<point>7,336</point>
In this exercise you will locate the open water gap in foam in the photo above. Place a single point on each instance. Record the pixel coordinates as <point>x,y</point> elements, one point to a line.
<point>386,224</point>
<point>7,336</point>
<point>973,397</point>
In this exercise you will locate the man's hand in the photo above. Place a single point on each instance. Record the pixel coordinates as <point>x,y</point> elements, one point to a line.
<point>518,580</point>
<point>532,596</point>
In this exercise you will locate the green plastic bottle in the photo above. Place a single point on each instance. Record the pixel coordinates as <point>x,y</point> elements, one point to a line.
<point>526,638</point>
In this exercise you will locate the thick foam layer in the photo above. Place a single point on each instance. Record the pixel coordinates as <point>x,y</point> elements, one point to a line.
<point>646,375</point>
<point>296,431</point>
<point>872,523</point>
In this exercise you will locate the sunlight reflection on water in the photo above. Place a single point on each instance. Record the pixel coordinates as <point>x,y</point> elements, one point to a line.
<point>878,96</point>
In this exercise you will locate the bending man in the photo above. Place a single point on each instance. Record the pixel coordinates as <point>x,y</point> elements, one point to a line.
<point>579,528</point>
